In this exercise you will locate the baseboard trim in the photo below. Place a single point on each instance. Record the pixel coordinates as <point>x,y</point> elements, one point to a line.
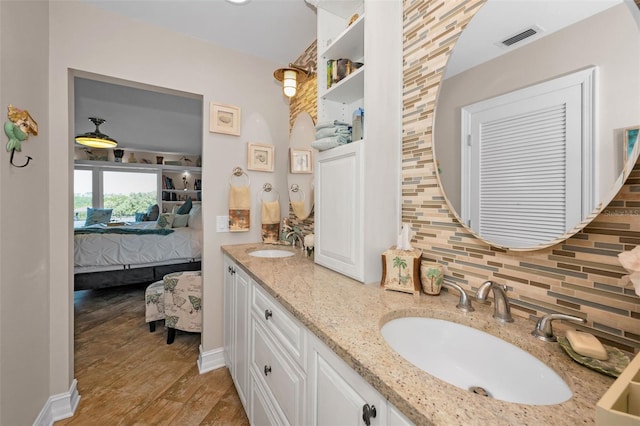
<point>210,360</point>
<point>59,406</point>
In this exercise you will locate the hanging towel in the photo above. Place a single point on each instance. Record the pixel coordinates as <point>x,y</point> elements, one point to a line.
<point>270,221</point>
<point>299,209</point>
<point>239,208</point>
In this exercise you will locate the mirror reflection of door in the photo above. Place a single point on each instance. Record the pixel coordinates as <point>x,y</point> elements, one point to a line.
<point>300,176</point>
<point>481,67</point>
<point>527,161</point>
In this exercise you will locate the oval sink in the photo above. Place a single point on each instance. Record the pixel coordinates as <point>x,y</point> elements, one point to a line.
<point>474,360</point>
<point>271,253</point>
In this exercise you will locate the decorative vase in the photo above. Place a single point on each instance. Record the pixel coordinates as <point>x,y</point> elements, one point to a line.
<point>431,276</point>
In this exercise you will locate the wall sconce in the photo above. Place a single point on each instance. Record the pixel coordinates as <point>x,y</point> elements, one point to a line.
<point>96,139</point>
<point>291,76</point>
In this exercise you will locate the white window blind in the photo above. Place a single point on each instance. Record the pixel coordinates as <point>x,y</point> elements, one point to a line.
<point>524,160</point>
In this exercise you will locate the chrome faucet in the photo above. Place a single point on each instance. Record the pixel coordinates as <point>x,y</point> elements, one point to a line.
<point>502,311</point>
<point>295,236</point>
<point>464,303</point>
<point>544,330</point>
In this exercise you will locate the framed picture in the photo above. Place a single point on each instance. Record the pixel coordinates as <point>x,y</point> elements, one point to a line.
<point>224,119</point>
<point>300,160</point>
<point>630,140</point>
<point>260,157</point>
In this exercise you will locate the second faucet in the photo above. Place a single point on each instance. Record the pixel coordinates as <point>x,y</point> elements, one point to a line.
<point>502,311</point>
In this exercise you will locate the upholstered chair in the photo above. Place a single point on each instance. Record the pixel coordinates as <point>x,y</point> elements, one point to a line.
<point>182,302</point>
<point>154,304</point>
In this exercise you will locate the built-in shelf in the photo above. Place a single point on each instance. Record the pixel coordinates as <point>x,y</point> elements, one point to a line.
<point>347,90</point>
<point>349,44</point>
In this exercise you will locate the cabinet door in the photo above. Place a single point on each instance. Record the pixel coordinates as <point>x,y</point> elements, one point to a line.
<point>242,287</point>
<point>338,395</point>
<point>338,223</point>
<point>236,326</point>
<point>261,412</point>
<point>229,313</point>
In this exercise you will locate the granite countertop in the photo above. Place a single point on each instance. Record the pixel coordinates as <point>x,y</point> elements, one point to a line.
<point>348,315</point>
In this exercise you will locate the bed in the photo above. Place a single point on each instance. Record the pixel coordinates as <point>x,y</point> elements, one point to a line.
<point>108,256</point>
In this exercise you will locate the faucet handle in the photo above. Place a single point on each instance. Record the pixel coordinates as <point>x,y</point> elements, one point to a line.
<point>544,329</point>
<point>464,303</point>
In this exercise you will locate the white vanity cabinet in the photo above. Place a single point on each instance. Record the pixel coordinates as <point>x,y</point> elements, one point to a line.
<point>278,345</point>
<point>284,374</point>
<point>338,395</point>
<point>237,286</point>
<point>357,204</point>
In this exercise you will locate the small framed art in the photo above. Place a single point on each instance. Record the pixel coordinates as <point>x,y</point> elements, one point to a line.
<point>224,119</point>
<point>630,141</point>
<point>300,160</point>
<point>260,157</point>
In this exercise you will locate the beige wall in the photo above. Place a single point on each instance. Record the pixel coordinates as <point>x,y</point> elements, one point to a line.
<point>24,219</point>
<point>580,276</point>
<point>129,50</point>
<point>545,59</point>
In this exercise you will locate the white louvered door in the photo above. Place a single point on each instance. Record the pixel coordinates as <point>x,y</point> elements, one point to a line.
<point>524,160</point>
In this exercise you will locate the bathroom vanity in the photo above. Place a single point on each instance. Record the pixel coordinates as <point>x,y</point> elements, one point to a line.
<point>315,352</point>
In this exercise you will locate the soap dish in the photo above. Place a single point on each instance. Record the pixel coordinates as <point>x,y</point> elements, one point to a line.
<point>613,366</point>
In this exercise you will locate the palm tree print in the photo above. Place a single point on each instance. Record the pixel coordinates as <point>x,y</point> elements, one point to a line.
<point>401,264</point>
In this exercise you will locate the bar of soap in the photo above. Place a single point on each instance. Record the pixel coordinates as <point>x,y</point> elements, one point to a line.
<point>586,344</point>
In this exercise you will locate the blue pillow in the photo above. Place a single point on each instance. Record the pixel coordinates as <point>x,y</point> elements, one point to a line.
<point>186,207</point>
<point>153,212</point>
<point>95,216</point>
<point>140,217</point>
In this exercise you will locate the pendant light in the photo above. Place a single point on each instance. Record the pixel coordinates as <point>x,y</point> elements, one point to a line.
<point>96,139</point>
<point>291,76</point>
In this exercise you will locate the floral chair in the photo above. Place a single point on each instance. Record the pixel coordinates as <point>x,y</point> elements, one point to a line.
<point>182,302</point>
<point>154,304</point>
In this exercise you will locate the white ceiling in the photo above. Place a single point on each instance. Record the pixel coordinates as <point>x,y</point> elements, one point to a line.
<point>277,30</point>
<point>498,20</point>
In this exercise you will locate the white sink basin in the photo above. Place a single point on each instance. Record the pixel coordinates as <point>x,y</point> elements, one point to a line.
<point>271,253</point>
<point>468,358</point>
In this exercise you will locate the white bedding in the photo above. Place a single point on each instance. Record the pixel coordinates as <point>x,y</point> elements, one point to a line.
<point>94,252</point>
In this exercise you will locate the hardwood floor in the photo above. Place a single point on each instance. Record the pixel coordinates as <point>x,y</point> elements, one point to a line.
<point>129,376</point>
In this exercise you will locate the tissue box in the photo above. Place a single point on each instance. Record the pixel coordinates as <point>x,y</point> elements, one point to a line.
<point>401,270</point>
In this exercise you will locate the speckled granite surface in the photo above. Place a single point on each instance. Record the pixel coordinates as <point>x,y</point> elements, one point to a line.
<point>347,316</point>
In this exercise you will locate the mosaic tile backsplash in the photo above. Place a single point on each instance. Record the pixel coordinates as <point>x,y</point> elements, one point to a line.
<point>580,276</point>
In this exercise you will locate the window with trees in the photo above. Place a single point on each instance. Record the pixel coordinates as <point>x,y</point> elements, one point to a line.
<point>125,190</point>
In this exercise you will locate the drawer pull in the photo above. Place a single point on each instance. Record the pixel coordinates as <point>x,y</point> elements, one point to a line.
<point>368,412</point>
<point>268,314</point>
<point>267,370</point>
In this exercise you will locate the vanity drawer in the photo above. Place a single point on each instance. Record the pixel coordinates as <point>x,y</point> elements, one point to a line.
<point>280,376</point>
<point>285,328</point>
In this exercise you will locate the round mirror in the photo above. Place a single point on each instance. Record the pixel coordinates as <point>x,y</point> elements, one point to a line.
<point>300,178</point>
<point>537,108</point>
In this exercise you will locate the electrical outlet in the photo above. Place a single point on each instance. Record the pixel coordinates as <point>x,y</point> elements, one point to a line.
<point>222,223</point>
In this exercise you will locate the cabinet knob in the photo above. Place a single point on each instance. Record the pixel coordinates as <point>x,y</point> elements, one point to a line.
<point>232,270</point>
<point>268,314</point>
<point>368,412</point>
<point>267,370</point>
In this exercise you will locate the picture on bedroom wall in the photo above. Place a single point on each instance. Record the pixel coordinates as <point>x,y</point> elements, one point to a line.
<point>224,119</point>
<point>630,140</point>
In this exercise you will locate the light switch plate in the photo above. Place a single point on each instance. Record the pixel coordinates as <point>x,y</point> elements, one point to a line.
<point>222,223</point>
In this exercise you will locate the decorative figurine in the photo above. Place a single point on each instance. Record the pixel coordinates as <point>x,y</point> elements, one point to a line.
<point>19,127</point>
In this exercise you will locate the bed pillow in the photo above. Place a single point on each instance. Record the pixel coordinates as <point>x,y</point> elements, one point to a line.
<point>153,212</point>
<point>95,216</point>
<point>195,218</point>
<point>140,217</point>
<point>165,220</point>
<point>185,208</point>
<point>180,220</point>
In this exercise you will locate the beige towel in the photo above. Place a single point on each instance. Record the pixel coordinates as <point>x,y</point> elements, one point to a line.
<point>270,212</point>
<point>299,209</point>
<point>239,198</point>
<point>239,208</point>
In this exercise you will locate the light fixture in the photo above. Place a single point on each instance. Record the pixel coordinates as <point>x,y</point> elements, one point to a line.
<point>291,76</point>
<point>96,139</point>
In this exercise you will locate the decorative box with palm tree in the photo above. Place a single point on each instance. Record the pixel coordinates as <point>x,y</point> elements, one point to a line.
<point>401,270</point>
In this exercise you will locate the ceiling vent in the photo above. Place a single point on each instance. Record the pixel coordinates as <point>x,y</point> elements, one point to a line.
<point>520,36</point>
